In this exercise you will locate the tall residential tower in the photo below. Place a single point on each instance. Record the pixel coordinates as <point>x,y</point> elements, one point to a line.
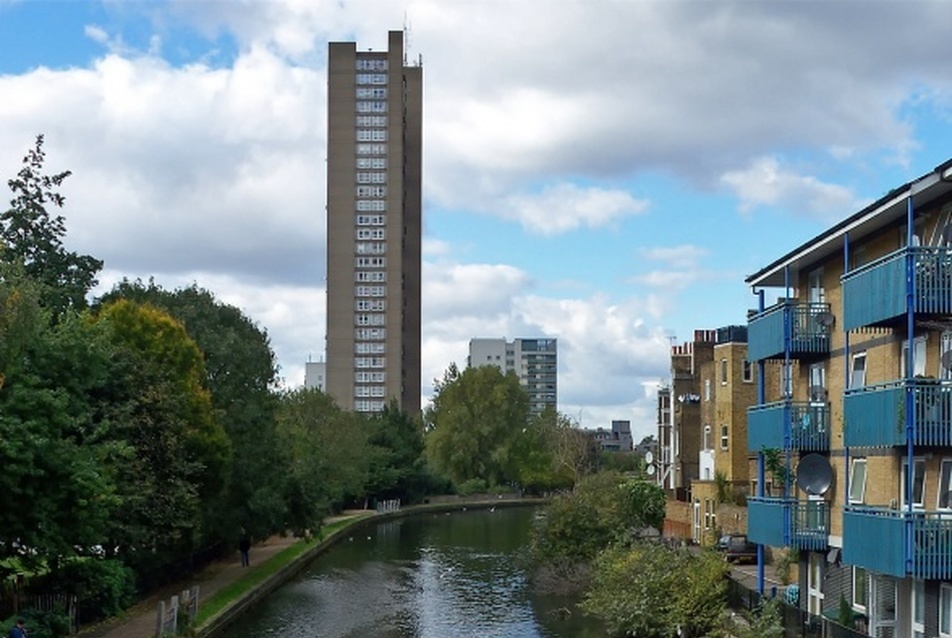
<point>374,210</point>
<point>535,362</point>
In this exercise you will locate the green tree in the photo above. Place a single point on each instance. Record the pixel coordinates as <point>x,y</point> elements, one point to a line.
<point>57,499</point>
<point>605,509</point>
<point>33,238</point>
<point>765,621</point>
<point>397,468</point>
<point>240,373</point>
<point>574,451</point>
<point>326,455</point>
<point>175,453</point>
<point>653,591</point>
<point>473,422</point>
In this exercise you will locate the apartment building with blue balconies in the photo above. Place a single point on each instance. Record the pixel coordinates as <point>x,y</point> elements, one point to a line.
<point>854,446</point>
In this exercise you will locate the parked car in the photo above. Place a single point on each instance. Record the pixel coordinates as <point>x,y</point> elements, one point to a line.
<point>736,548</point>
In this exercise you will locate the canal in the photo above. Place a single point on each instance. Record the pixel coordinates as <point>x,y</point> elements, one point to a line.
<point>424,576</point>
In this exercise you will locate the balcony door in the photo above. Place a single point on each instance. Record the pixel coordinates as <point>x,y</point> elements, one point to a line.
<point>815,291</point>
<point>696,519</point>
<point>882,606</point>
<point>945,345</point>
<point>815,583</point>
<point>918,358</point>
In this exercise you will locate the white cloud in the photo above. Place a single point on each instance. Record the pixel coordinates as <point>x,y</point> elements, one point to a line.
<point>215,174</point>
<point>564,207</point>
<point>765,183</point>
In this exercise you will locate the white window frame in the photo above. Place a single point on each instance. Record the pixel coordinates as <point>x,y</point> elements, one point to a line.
<point>919,354</point>
<point>748,372</point>
<point>917,609</point>
<point>945,476</point>
<point>858,369</point>
<point>859,605</point>
<point>815,564</point>
<point>707,389</point>
<point>723,369</point>
<point>919,470</point>
<point>945,610</point>
<point>725,437</point>
<point>861,497</point>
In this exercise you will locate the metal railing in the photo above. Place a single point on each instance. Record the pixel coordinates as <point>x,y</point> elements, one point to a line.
<point>797,622</point>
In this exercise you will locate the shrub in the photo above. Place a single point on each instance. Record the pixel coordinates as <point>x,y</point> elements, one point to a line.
<point>650,590</point>
<point>40,624</point>
<point>472,486</point>
<point>103,587</point>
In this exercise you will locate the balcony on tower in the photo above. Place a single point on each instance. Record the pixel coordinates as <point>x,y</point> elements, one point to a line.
<point>899,543</point>
<point>805,326</point>
<point>809,423</point>
<point>875,415</point>
<point>875,294</point>
<point>788,522</point>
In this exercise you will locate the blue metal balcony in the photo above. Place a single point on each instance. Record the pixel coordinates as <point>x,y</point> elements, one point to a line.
<point>782,522</point>
<point>878,539</point>
<point>809,426</point>
<point>875,415</point>
<point>808,337</point>
<point>875,294</point>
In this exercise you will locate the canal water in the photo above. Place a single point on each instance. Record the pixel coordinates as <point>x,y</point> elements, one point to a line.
<point>425,576</point>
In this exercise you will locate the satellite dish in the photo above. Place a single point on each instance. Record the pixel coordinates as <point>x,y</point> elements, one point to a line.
<point>946,359</point>
<point>650,470</point>
<point>814,474</point>
<point>825,319</point>
<point>649,457</point>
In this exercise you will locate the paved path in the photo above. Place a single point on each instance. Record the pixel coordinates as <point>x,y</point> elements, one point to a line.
<point>140,620</point>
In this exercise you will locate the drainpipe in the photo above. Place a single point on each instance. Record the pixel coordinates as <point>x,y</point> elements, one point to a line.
<point>788,386</point>
<point>910,363</point>
<point>846,384</point>
<point>761,474</point>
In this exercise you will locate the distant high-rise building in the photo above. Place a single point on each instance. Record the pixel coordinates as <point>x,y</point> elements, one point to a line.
<point>315,375</point>
<point>535,362</point>
<point>374,226</point>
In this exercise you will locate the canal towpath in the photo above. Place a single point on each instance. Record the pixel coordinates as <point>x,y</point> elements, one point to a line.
<point>140,620</point>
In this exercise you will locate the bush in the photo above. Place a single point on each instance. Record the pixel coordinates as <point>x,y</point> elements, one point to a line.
<point>103,587</point>
<point>651,589</point>
<point>40,624</point>
<point>472,486</point>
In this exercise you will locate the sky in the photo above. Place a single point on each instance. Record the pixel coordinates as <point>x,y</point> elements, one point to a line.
<point>603,172</point>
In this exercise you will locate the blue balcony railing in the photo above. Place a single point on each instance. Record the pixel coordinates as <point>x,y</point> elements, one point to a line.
<point>768,521</point>
<point>876,293</point>
<point>809,426</point>
<point>810,525</point>
<point>875,415</point>
<point>879,540</point>
<point>809,335</point>
<point>781,522</point>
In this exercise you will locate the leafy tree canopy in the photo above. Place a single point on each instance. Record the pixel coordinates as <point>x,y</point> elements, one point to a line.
<point>654,591</point>
<point>473,422</point>
<point>33,238</point>
<point>177,452</point>
<point>240,372</point>
<point>326,455</point>
<point>605,509</point>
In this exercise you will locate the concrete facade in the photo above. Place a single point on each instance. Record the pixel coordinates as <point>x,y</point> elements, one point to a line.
<point>374,227</point>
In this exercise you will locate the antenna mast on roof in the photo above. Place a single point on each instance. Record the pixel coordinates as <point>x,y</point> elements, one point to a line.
<point>406,37</point>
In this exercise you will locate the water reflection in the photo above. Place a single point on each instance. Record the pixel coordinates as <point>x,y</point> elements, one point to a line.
<point>430,576</point>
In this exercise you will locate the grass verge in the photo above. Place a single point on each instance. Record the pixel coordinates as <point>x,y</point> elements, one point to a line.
<point>262,572</point>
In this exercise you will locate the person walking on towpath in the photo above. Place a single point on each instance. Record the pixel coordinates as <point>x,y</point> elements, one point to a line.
<point>244,546</point>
